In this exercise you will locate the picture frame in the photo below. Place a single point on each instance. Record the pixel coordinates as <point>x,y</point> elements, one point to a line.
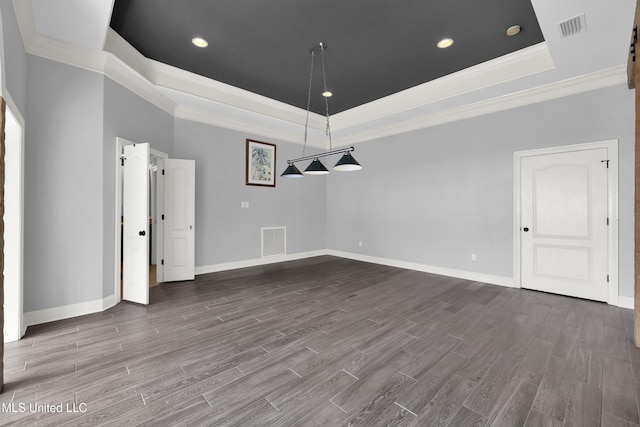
<point>261,163</point>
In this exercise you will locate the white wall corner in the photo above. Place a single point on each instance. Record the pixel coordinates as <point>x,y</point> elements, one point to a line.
<point>626,302</point>
<point>65,312</point>
<point>214,268</point>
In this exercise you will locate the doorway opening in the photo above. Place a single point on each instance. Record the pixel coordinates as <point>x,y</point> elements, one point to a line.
<point>14,323</point>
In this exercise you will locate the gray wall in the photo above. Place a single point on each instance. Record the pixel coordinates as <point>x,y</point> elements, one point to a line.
<point>128,116</point>
<point>448,194</point>
<point>437,195</point>
<point>63,185</point>
<point>73,118</point>
<point>225,232</point>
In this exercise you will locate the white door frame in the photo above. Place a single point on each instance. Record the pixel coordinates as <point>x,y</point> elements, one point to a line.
<point>16,294</point>
<point>612,184</point>
<point>121,142</point>
<point>15,325</point>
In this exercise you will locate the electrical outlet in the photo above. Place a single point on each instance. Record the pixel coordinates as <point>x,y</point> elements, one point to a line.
<point>474,257</point>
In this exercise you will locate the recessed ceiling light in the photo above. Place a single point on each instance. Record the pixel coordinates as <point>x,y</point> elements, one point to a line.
<point>327,94</point>
<point>513,30</point>
<point>199,42</point>
<point>445,43</point>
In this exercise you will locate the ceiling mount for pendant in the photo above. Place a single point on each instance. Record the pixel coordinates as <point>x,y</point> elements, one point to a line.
<point>318,47</point>
<point>346,162</point>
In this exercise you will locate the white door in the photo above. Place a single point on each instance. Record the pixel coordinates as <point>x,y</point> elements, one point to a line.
<point>135,238</point>
<point>564,221</point>
<point>179,217</point>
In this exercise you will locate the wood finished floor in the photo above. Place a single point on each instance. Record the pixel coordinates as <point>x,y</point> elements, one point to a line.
<point>330,342</point>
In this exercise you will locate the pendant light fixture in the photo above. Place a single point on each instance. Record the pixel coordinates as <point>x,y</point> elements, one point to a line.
<point>346,162</point>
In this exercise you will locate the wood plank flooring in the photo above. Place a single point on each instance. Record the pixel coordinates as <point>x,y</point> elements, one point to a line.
<point>330,342</point>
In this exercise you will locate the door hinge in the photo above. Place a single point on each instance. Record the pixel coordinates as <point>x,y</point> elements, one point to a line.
<point>632,50</point>
<point>162,262</point>
<point>607,278</point>
<point>605,161</point>
<point>122,159</point>
<point>163,170</point>
<point>163,218</point>
<point>607,221</point>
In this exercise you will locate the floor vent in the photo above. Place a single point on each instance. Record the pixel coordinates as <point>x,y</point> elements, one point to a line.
<point>573,26</point>
<point>274,241</point>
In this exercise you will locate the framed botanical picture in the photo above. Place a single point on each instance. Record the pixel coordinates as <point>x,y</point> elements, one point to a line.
<point>261,163</point>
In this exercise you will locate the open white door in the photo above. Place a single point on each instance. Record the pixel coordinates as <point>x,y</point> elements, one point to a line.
<point>179,218</point>
<point>135,269</point>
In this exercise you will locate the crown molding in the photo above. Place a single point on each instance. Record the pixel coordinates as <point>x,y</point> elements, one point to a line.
<point>101,62</point>
<point>45,47</point>
<point>266,117</point>
<point>173,78</point>
<point>227,121</point>
<point>24,16</point>
<point>525,62</point>
<point>121,73</point>
<point>598,80</point>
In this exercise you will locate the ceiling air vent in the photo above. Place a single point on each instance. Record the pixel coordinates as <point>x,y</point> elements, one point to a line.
<point>573,26</point>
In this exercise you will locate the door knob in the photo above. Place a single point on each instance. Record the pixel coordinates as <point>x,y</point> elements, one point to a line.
<point>142,233</point>
<point>525,229</point>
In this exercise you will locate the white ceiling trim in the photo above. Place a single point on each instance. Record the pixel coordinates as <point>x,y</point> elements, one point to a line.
<point>186,82</point>
<point>102,62</point>
<point>598,80</point>
<point>86,22</point>
<point>146,77</point>
<point>200,115</point>
<point>525,62</point>
<point>138,84</point>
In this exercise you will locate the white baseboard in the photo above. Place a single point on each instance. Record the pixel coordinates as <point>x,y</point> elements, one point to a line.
<point>257,261</point>
<point>467,275</point>
<point>73,310</point>
<point>23,325</point>
<point>461,274</point>
<point>626,302</point>
<point>58,313</point>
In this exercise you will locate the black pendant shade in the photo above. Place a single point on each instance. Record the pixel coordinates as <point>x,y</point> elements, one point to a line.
<point>347,163</point>
<point>292,172</point>
<point>316,168</point>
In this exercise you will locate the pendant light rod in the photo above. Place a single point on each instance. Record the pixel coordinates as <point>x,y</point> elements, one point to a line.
<point>325,154</point>
<point>346,163</point>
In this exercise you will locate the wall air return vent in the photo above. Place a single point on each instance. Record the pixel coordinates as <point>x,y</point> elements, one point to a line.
<point>274,241</point>
<point>572,26</point>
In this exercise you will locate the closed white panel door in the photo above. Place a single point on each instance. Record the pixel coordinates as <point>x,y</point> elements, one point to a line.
<point>564,220</point>
<point>179,218</point>
<point>135,212</point>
